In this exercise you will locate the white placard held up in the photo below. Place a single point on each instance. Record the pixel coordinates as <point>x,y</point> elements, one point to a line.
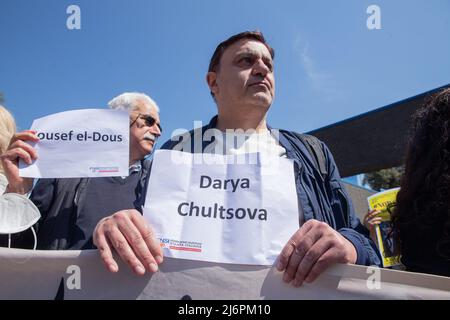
<point>220,211</point>
<point>80,143</point>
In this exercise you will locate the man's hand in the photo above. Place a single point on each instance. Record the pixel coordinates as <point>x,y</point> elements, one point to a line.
<point>19,149</point>
<point>311,250</point>
<point>128,233</point>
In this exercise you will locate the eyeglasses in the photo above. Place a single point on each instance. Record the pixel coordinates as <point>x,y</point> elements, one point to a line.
<point>149,121</point>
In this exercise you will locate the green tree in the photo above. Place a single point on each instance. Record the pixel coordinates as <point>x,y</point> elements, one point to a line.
<point>384,179</point>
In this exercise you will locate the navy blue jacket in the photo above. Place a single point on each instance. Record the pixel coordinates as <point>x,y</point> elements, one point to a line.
<point>321,197</point>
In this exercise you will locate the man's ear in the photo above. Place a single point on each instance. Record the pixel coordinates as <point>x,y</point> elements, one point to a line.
<point>211,79</point>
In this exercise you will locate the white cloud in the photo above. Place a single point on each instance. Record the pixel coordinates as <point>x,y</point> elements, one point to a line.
<point>320,81</point>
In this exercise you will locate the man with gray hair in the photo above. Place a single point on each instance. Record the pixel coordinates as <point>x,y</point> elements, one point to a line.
<point>145,126</point>
<point>71,207</point>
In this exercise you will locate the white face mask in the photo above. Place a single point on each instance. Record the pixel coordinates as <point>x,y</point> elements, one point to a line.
<point>3,183</point>
<point>17,213</point>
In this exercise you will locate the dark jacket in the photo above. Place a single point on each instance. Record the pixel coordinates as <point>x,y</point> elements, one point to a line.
<point>59,201</point>
<point>321,197</point>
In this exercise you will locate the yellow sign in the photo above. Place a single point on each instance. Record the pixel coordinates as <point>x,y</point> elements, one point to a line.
<point>384,202</point>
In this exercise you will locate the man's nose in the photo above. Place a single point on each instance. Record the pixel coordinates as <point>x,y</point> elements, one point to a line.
<point>156,130</point>
<point>260,68</point>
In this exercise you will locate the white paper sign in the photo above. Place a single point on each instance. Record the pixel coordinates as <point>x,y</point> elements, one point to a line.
<point>222,212</point>
<point>80,143</point>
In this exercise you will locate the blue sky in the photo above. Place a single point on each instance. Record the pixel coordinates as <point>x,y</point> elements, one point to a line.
<point>328,67</point>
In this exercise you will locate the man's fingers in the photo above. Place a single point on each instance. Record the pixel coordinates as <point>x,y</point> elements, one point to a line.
<point>148,235</point>
<point>120,244</point>
<point>138,245</point>
<point>297,256</point>
<point>285,254</point>
<point>311,249</point>
<point>303,246</point>
<point>293,262</point>
<point>321,265</point>
<point>130,235</point>
<point>310,259</point>
<point>105,252</point>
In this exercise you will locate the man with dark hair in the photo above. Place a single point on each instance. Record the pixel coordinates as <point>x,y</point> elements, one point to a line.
<point>214,64</point>
<point>241,80</point>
